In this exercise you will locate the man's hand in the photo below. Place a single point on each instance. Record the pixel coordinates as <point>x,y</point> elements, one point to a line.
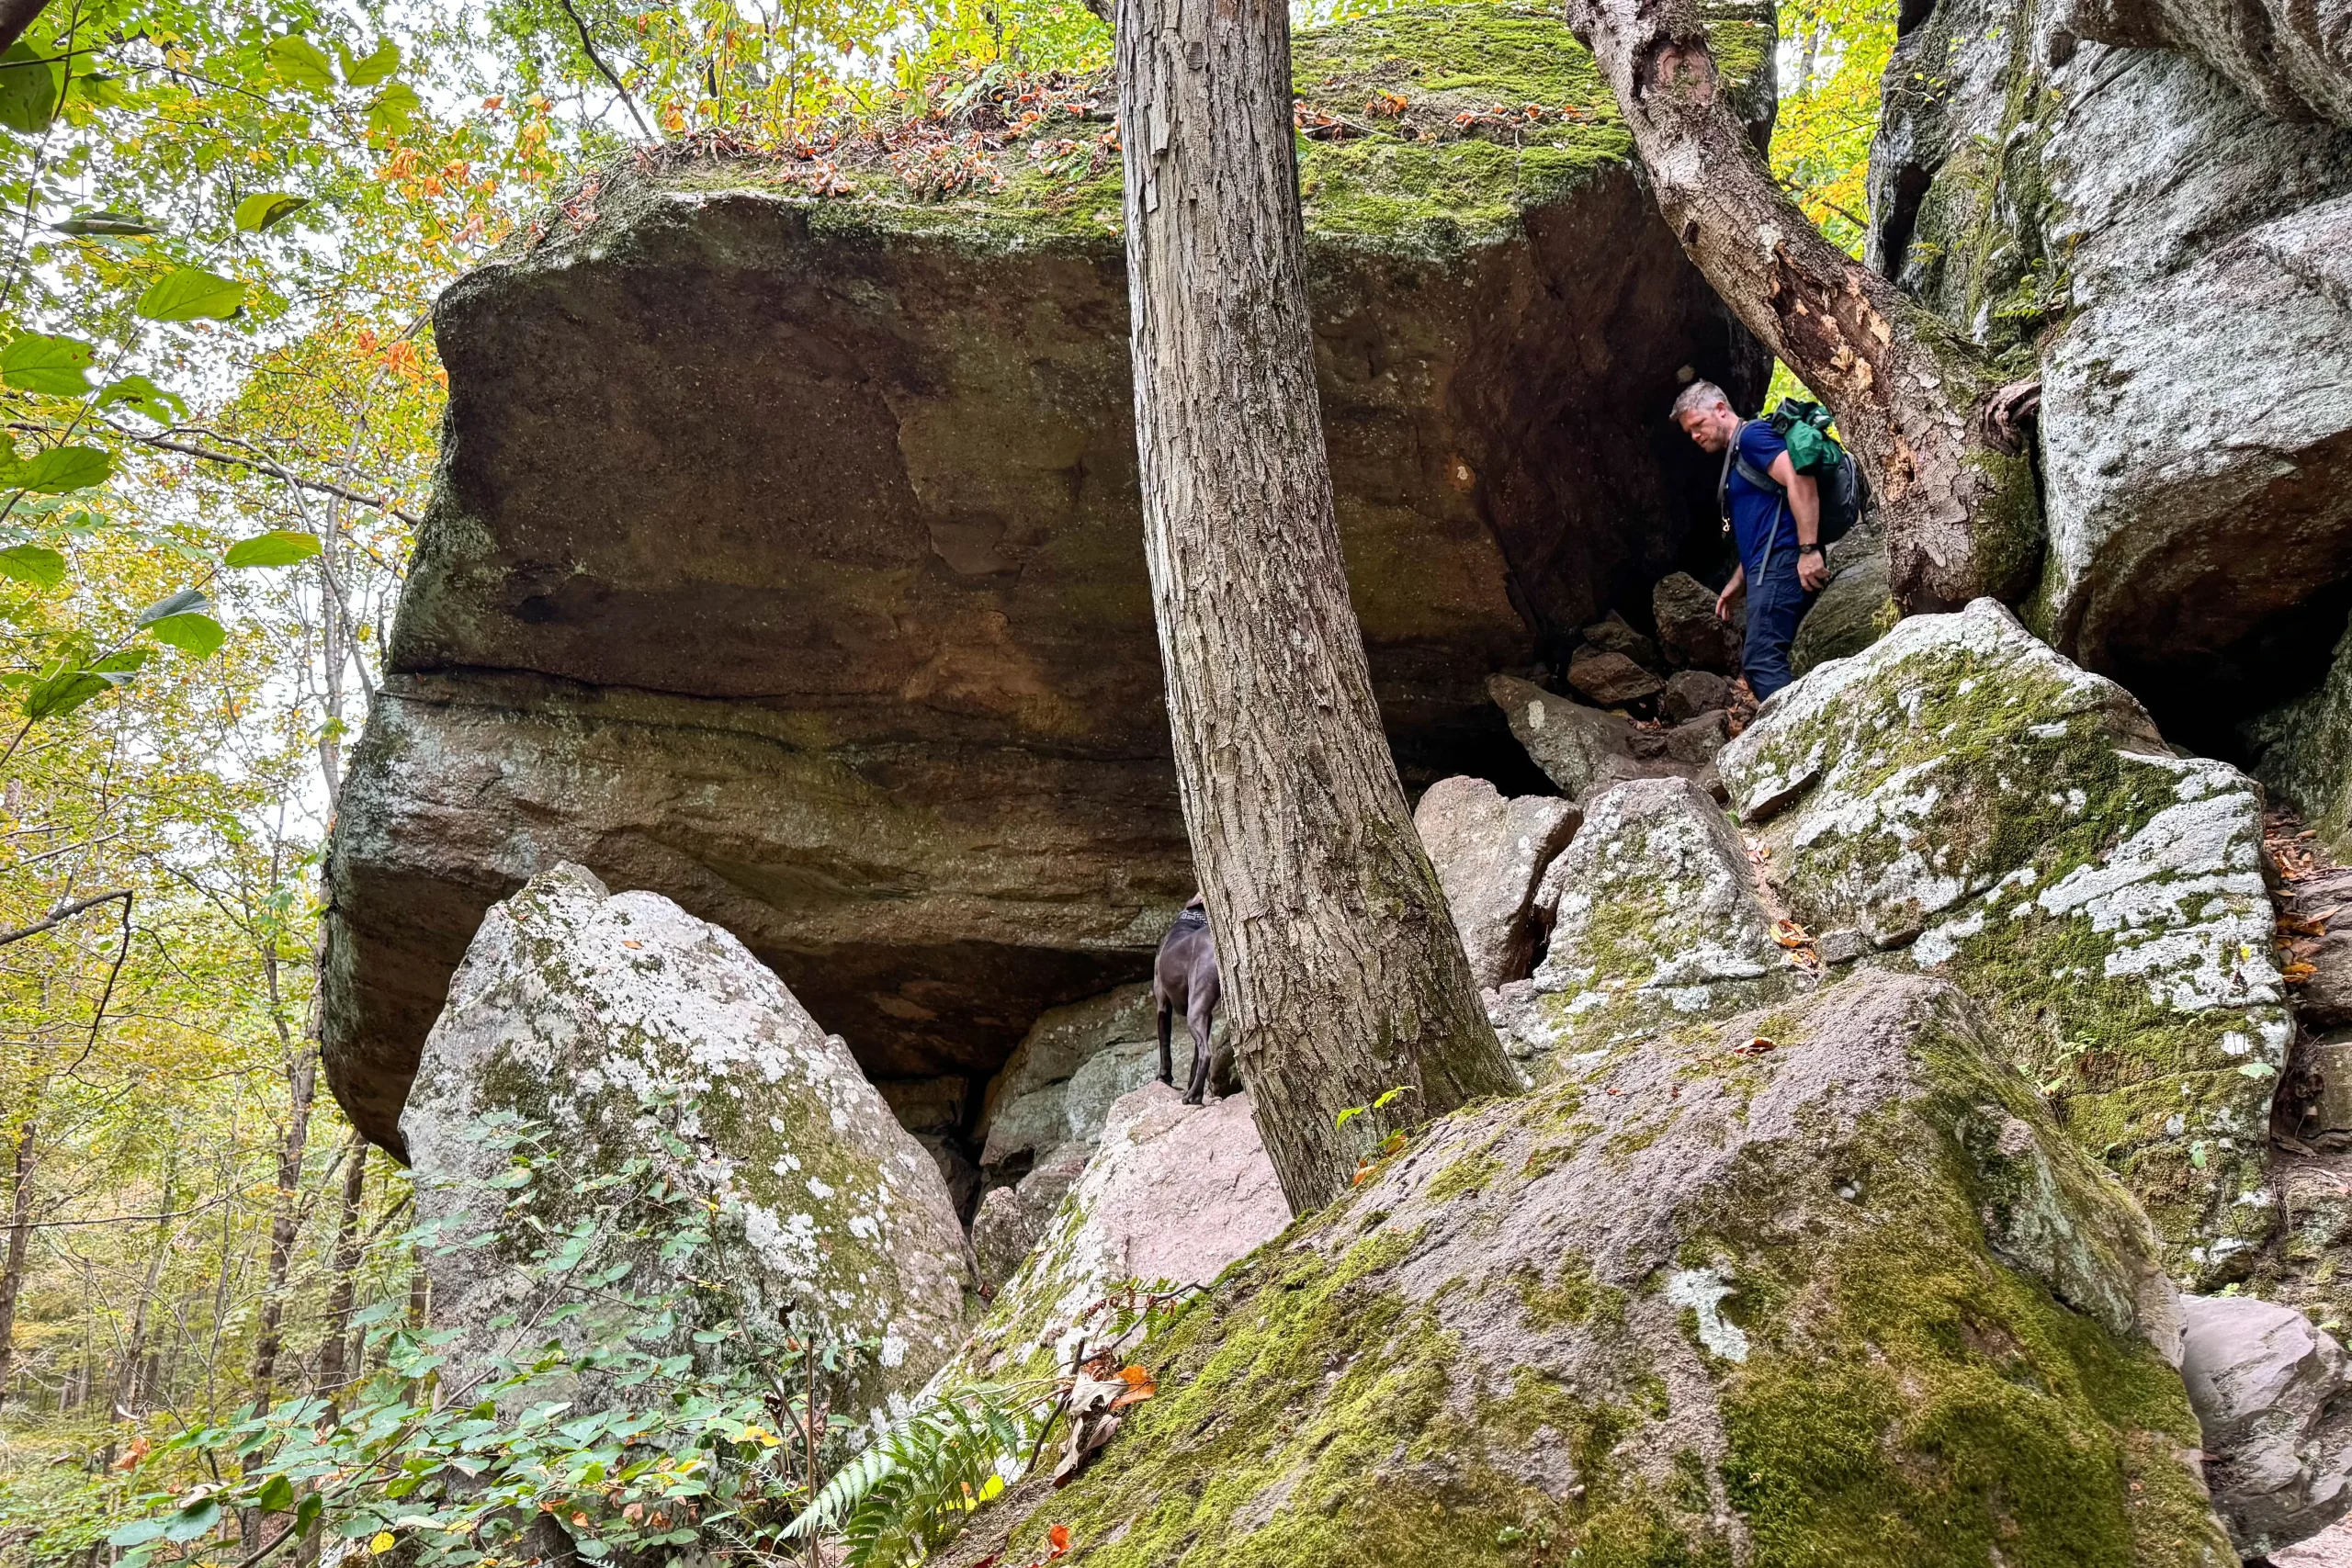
<point>1731,592</point>
<point>1813,571</point>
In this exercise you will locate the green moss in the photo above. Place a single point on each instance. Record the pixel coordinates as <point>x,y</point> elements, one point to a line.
<point>1466,1175</point>
<point>1571,1296</point>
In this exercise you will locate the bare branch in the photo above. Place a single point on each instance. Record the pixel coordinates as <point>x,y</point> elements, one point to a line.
<point>262,465</point>
<point>63,912</point>
<point>605,71</point>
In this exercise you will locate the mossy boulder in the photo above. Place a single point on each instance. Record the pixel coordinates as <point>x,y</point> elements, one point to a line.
<point>2169,256</point>
<point>1856,1300</point>
<point>652,1052</point>
<point>2303,751</point>
<point>783,557</point>
<point>1656,919</point>
<point>1976,806</point>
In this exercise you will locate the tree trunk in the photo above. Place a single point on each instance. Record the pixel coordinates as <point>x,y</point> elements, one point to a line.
<point>20,1236</point>
<point>1955,497</point>
<point>333,1370</point>
<point>302,1083</point>
<point>1338,957</point>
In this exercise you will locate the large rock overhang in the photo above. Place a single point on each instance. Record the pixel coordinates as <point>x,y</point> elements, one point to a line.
<point>786,557</point>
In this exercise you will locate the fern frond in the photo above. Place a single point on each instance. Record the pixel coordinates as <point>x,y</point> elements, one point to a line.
<point>908,1491</point>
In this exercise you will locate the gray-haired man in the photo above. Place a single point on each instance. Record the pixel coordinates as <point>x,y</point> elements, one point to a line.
<point>1778,534</point>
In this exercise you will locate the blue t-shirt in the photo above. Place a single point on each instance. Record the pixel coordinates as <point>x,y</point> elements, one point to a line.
<point>1757,516</point>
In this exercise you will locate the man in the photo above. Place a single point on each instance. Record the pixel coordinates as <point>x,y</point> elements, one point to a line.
<point>1777,529</point>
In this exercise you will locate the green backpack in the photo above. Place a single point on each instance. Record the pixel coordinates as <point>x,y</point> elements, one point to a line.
<point>1812,450</point>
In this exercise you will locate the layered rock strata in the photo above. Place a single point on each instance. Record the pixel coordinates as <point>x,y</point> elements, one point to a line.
<point>784,558</point>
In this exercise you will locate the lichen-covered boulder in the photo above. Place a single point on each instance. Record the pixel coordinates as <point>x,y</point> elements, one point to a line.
<point>1572,742</point>
<point>2171,255</point>
<point>782,554</point>
<point>1011,1220</point>
<point>2303,751</point>
<point>1061,1080</point>
<point>1173,1194</point>
<point>1490,853</point>
<point>628,1031</point>
<point>1970,800</point>
<point>1656,919</point>
<point>2273,1397</point>
<point>1855,1301</point>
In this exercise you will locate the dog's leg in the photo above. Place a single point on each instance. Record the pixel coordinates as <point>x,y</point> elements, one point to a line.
<point>1167,1063</point>
<point>1197,1020</point>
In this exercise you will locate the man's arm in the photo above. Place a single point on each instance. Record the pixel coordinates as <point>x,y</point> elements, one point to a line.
<point>1731,592</point>
<point>1805,505</point>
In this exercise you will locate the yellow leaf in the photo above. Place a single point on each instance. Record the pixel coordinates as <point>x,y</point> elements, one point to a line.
<point>381,1542</point>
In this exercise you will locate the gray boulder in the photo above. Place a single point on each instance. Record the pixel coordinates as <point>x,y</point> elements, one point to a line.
<point>1064,1075</point>
<point>1490,853</point>
<point>2273,1397</point>
<point>1613,633</point>
<point>1689,693</point>
<point>1013,1220</point>
<point>1685,610</point>
<point>1611,680</point>
<point>1571,742</point>
<point>1172,1194</point>
<point>1856,1300</point>
<point>2243,505</point>
<point>1977,805</point>
<point>2179,252</point>
<point>2293,61</point>
<point>627,1030</point>
<point>1656,919</point>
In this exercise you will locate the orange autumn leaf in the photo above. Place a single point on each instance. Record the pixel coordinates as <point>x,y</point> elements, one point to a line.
<point>1059,1539</point>
<point>1140,1387</point>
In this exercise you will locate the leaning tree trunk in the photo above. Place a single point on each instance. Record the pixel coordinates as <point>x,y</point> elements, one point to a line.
<point>1344,974</point>
<point>1918,404</point>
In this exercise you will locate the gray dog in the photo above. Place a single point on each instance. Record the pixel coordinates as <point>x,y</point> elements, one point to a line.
<point>1184,975</point>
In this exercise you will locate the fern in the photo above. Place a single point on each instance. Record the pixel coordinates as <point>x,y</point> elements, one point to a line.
<point>907,1493</point>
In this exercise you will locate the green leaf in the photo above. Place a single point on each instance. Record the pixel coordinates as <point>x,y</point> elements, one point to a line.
<point>307,1514</point>
<point>37,362</point>
<point>68,689</point>
<point>277,1494</point>
<point>301,63</point>
<point>61,469</point>
<point>394,109</point>
<point>279,547</point>
<point>369,70</point>
<point>191,292</point>
<point>137,1531</point>
<point>29,89</point>
<point>259,210</point>
<point>35,564</point>
<point>184,601</point>
<point>103,221</point>
<point>143,395</point>
<point>195,1520</point>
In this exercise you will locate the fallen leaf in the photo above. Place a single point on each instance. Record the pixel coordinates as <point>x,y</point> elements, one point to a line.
<point>2295,974</point>
<point>1059,1539</point>
<point>1140,1387</point>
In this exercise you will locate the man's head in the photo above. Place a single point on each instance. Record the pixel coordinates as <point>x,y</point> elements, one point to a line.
<point>1705,413</point>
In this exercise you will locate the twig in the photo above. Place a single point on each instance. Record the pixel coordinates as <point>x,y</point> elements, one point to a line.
<point>605,71</point>
<point>326,487</point>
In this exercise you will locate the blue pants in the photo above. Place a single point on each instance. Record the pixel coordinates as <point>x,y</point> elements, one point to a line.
<point>1775,606</point>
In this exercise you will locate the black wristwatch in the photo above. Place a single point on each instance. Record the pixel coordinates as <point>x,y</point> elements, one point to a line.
<point>1808,549</point>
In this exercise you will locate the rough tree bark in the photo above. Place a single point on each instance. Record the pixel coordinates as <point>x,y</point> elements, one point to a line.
<point>1919,406</point>
<point>20,1233</point>
<point>1344,975</point>
<point>286,1212</point>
